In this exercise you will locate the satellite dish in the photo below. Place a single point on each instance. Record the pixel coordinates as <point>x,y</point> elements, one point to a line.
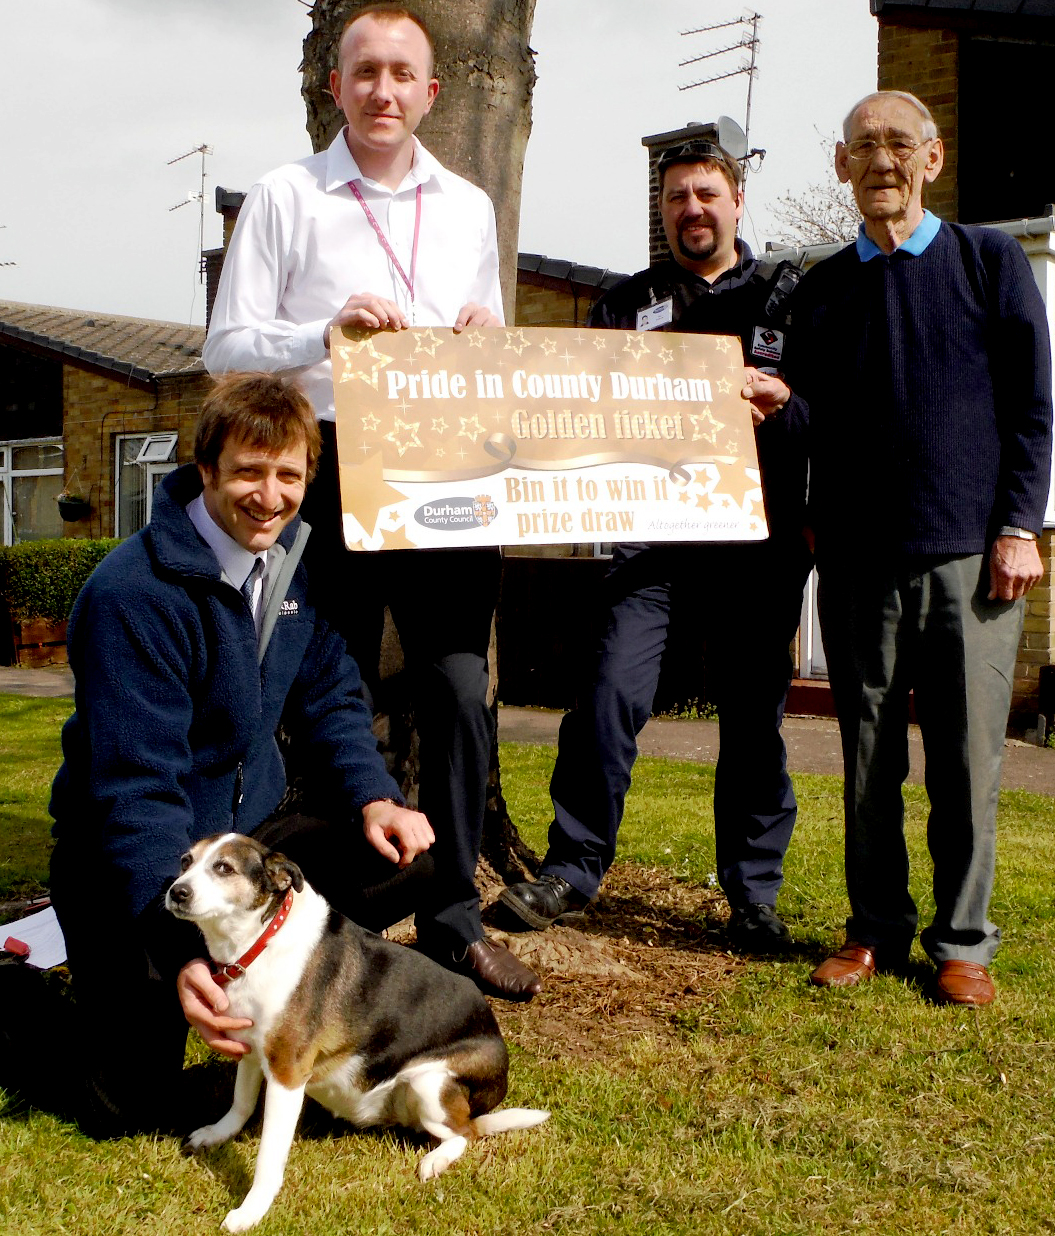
<point>731,138</point>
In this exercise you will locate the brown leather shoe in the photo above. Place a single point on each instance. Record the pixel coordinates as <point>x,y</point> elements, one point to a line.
<point>499,972</point>
<point>964,982</point>
<point>849,966</point>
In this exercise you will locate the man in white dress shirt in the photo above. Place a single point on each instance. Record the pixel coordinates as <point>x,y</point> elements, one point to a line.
<point>373,232</point>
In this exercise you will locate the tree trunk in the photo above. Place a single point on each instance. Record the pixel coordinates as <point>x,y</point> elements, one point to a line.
<point>479,128</point>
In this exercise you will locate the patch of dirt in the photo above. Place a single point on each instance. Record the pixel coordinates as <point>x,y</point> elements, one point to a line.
<point>652,946</point>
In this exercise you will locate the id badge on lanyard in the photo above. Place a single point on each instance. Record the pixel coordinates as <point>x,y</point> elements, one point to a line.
<point>657,314</point>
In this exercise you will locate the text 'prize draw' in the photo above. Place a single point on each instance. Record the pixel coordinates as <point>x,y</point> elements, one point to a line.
<point>521,436</point>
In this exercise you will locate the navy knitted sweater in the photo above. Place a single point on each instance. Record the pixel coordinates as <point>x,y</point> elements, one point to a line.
<point>928,385</point>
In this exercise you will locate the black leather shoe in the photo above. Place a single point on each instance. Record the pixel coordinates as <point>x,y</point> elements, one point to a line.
<point>757,928</point>
<point>499,972</point>
<point>545,901</point>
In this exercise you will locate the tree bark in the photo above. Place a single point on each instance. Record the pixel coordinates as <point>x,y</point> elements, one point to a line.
<point>479,128</point>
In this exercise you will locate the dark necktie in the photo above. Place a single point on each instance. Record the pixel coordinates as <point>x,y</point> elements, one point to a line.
<point>247,587</point>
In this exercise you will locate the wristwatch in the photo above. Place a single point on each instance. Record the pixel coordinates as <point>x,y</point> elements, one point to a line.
<point>1023,534</point>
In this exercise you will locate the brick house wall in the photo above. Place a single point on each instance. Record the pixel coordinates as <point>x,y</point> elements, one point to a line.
<point>1038,635</point>
<point>99,407</point>
<point>538,305</point>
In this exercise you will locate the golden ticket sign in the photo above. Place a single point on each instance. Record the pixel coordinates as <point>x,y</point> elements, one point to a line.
<point>532,436</point>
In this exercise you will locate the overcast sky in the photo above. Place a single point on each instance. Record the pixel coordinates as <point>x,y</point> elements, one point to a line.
<point>98,95</point>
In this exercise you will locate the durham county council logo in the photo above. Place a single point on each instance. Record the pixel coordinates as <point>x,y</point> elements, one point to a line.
<point>457,514</point>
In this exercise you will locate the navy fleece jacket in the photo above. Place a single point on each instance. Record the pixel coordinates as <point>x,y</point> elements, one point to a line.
<point>173,737</point>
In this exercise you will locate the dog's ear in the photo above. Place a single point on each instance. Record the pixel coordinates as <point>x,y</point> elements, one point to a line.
<point>281,873</point>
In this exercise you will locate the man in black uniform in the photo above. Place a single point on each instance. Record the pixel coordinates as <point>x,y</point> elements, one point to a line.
<point>746,597</point>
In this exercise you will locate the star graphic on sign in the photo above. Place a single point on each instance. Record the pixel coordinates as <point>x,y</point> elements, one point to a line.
<point>370,423</point>
<point>636,346</point>
<point>364,491</point>
<point>705,426</point>
<point>427,341</point>
<point>722,343</point>
<point>567,357</point>
<point>549,346</point>
<point>600,342</point>
<point>355,353</point>
<point>755,524</point>
<point>471,428</point>
<point>403,406</point>
<point>396,538</point>
<point>666,355</point>
<point>686,497</point>
<point>738,481</point>
<point>703,365</point>
<point>476,338</point>
<point>403,436</point>
<point>439,425</point>
<point>724,385</point>
<point>394,516</point>
<point>515,341</point>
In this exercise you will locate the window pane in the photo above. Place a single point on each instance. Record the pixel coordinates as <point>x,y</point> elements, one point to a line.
<point>34,509</point>
<point>131,487</point>
<point>26,457</point>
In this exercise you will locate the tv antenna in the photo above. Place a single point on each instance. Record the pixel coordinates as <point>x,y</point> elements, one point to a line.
<point>749,41</point>
<point>198,197</point>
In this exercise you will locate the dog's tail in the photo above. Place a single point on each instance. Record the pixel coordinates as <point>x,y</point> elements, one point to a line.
<point>507,1119</point>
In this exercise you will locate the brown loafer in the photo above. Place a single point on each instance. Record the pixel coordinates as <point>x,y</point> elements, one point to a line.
<point>964,982</point>
<point>846,968</point>
<point>499,972</point>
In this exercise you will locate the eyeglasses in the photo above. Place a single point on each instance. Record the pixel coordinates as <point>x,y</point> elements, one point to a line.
<point>864,149</point>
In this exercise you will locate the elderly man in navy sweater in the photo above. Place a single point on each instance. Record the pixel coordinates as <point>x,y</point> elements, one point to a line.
<point>922,352</point>
<point>190,644</point>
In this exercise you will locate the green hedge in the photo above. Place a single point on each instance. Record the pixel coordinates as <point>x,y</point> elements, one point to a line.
<point>41,579</point>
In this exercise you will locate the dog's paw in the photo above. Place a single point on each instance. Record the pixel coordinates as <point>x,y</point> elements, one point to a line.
<point>200,1138</point>
<point>438,1160</point>
<point>242,1219</point>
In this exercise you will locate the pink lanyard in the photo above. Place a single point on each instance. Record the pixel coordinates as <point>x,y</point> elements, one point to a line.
<point>384,239</point>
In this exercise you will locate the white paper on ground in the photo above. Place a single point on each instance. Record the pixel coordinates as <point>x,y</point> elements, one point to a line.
<point>41,931</point>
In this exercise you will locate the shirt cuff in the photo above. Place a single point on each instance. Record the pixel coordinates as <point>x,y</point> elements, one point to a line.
<point>308,343</point>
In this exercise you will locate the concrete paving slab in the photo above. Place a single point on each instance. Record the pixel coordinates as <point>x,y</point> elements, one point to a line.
<point>812,742</point>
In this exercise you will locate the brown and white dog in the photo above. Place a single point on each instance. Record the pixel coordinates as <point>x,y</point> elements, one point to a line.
<point>372,1030</point>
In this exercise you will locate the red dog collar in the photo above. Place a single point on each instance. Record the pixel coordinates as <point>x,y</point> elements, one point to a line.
<point>222,975</point>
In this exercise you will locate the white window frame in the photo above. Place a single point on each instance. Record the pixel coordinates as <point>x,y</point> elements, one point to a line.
<point>154,457</point>
<point>8,473</point>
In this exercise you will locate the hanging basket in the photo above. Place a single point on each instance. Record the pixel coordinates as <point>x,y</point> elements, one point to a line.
<point>73,509</point>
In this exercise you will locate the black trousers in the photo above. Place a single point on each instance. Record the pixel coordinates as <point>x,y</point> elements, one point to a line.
<point>442,602</point>
<point>744,600</point>
<point>125,1033</point>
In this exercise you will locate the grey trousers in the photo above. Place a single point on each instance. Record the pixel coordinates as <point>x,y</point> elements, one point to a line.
<point>925,627</point>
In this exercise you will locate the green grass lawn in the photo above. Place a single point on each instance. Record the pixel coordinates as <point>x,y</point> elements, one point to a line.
<point>773,1108</point>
